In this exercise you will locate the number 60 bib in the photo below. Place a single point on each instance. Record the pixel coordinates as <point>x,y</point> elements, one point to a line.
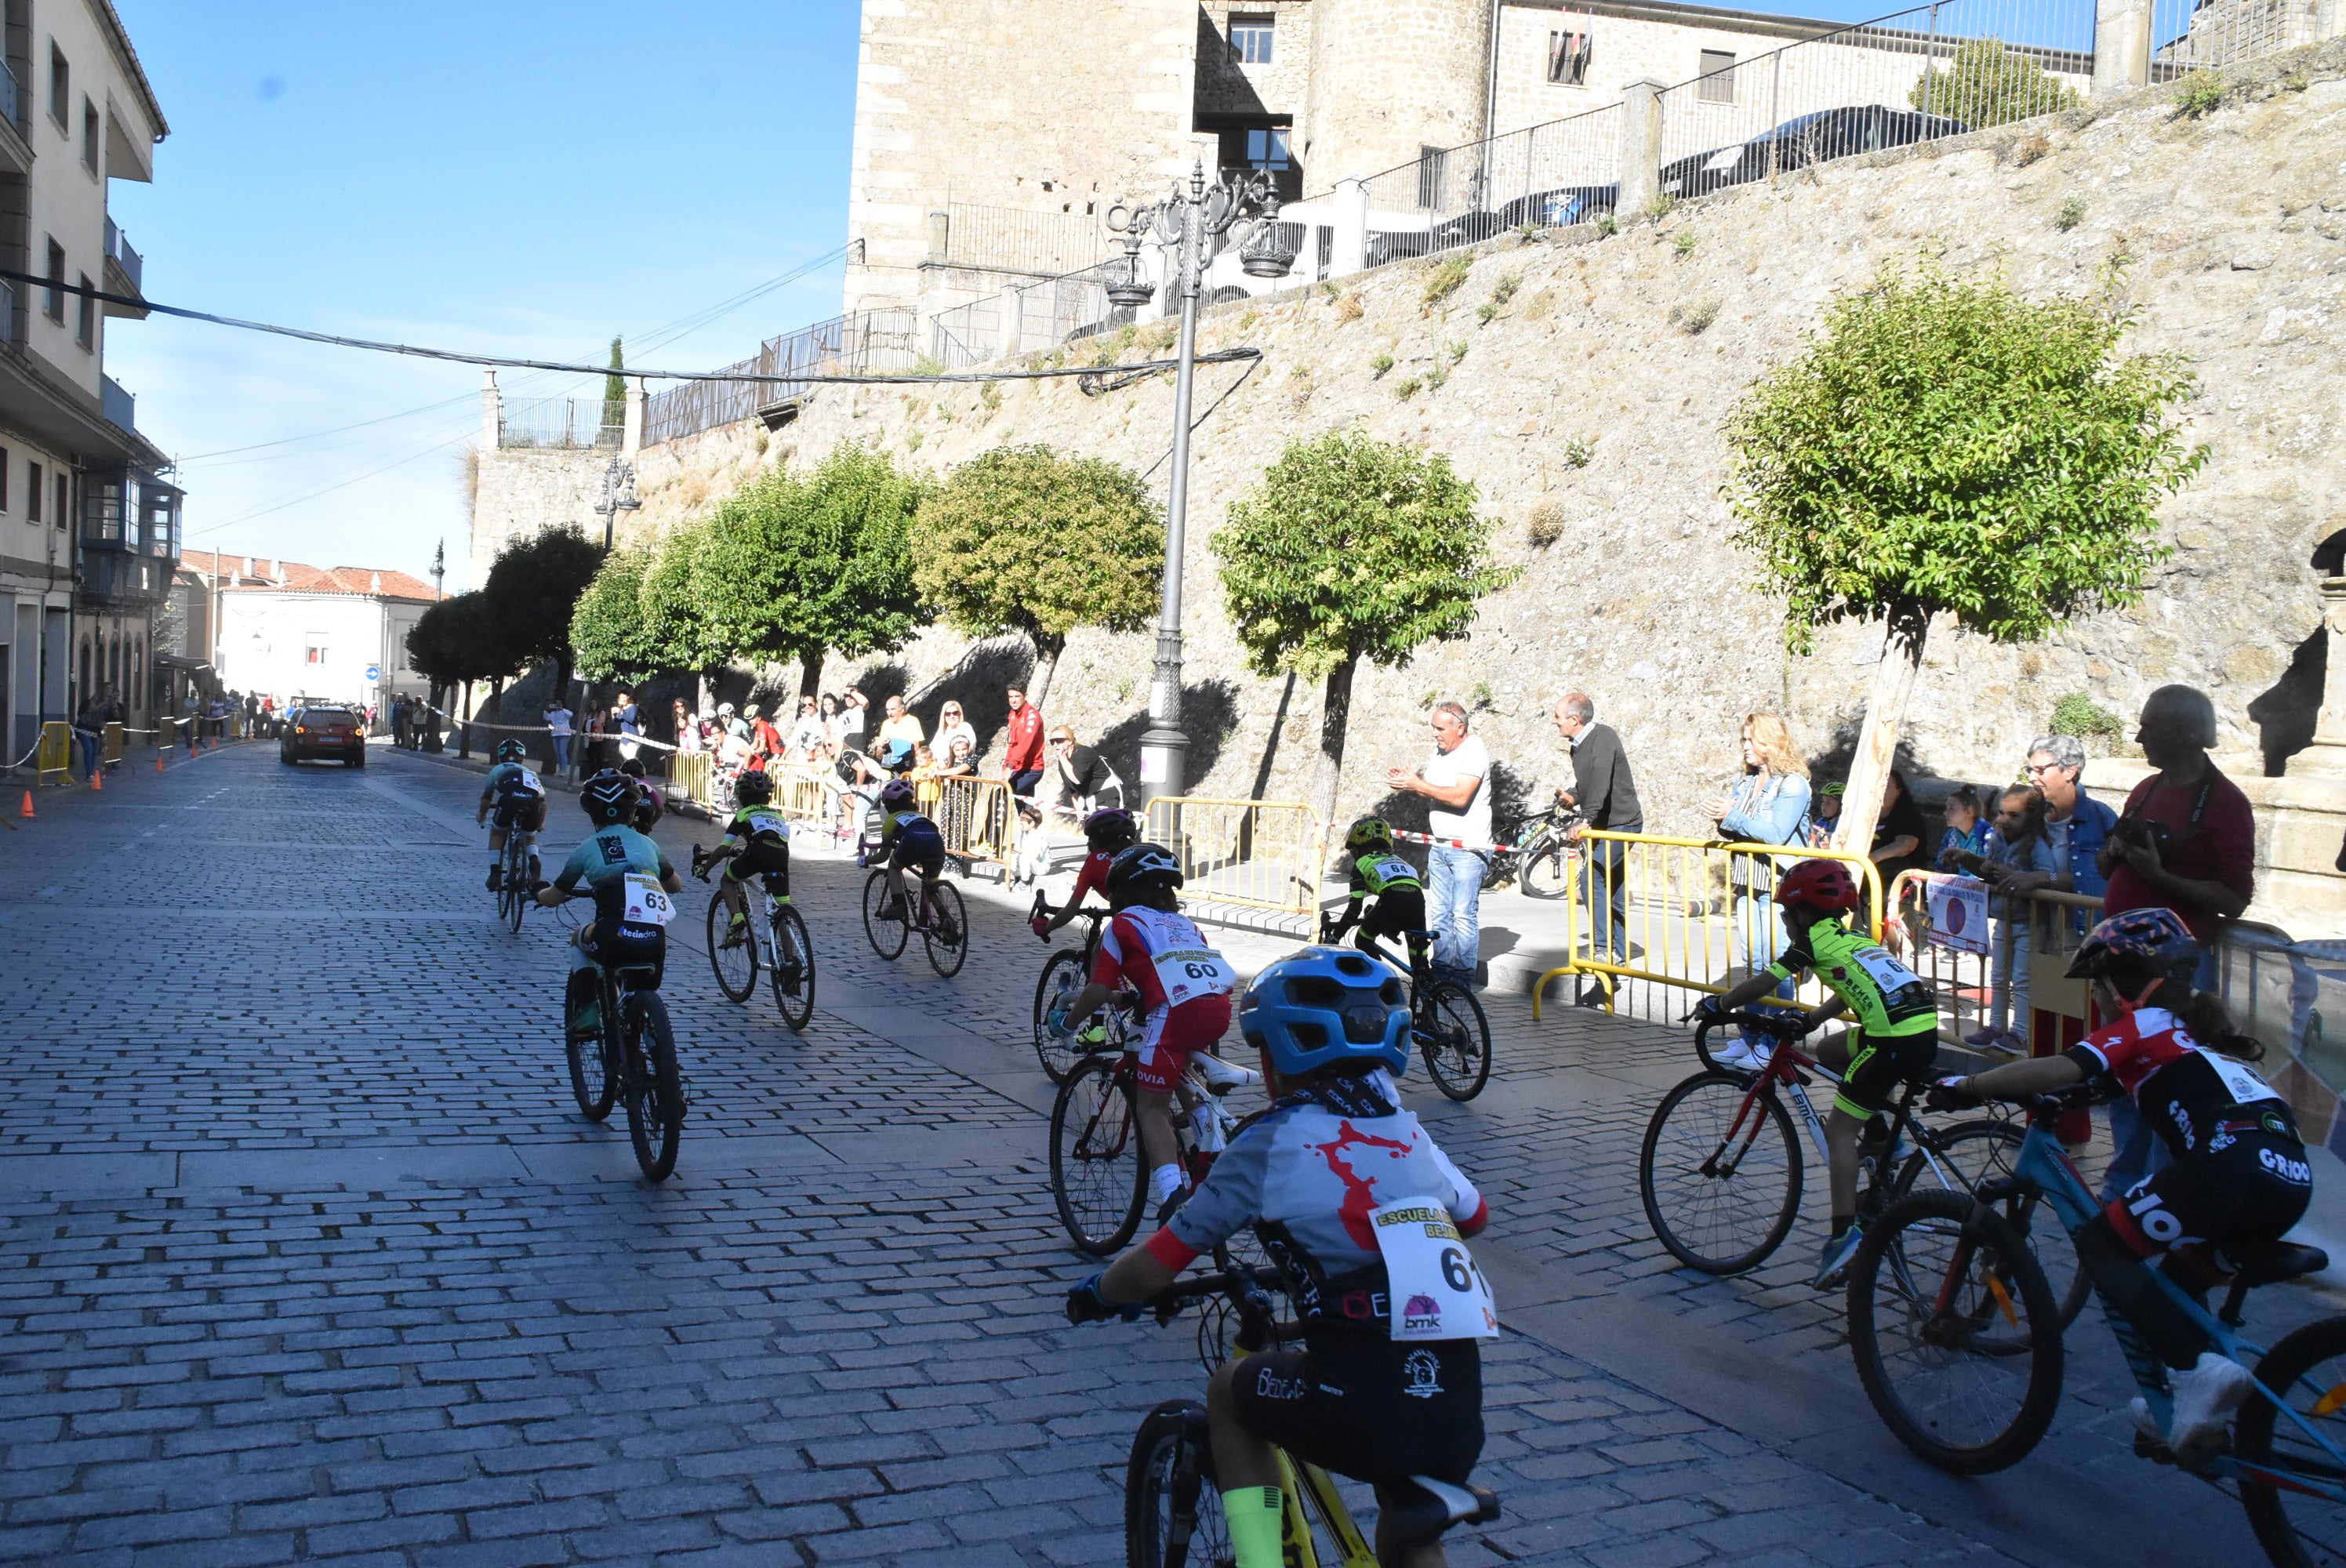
<point>1437,1292</point>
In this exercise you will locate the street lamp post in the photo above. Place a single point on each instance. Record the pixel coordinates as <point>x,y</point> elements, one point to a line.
<point>1186,223</point>
<point>618,495</point>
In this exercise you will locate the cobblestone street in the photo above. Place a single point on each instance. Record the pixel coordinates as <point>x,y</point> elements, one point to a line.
<point>305,1254</point>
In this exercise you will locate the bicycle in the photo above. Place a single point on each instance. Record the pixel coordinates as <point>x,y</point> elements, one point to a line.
<point>780,944</point>
<point>1173,1510</point>
<point>1100,1180</point>
<point>1065,972</point>
<point>630,1056</point>
<point>1945,1281</point>
<point>941,919</point>
<point>1445,1021</point>
<point>1538,863</point>
<point>1720,1173</point>
<point>513,892</point>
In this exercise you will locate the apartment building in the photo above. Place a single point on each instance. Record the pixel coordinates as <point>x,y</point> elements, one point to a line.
<point>284,630</point>
<point>89,525</point>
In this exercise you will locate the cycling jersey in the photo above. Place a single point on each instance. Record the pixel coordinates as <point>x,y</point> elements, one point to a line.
<point>760,837</point>
<point>1093,877</point>
<point>603,861</point>
<point>1884,997</point>
<point>912,840</point>
<point>1184,985</point>
<point>2184,1090</point>
<point>510,779</point>
<point>1374,872</point>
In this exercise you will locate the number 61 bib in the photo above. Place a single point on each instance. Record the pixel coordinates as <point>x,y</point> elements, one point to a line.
<point>1437,1292</point>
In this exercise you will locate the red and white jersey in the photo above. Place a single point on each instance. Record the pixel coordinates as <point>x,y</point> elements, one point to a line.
<point>1163,956</point>
<point>1092,878</point>
<point>2182,1087</point>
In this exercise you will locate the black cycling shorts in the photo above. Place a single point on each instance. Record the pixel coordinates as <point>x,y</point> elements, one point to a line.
<point>1368,1407</point>
<point>526,812</point>
<point>924,853</point>
<point>615,945</point>
<point>1878,1064</point>
<point>2240,1191</point>
<point>1394,911</point>
<point>760,859</point>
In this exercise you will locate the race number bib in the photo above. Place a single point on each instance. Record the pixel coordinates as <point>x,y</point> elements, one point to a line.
<point>647,902</point>
<point>2241,1081</point>
<point>527,783</point>
<point>1885,970</point>
<point>1437,1292</point>
<point>1191,972</point>
<point>1393,868</point>
<point>767,822</point>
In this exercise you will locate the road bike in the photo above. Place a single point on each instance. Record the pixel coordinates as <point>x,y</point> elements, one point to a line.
<point>1173,1506</point>
<point>779,943</point>
<point>939,917</point>
<point>1540,861</point>
<point>1099,1178</point>
<point>1720,1171</point>
<point>1952,1322</point>
<point>628,1055</point>
<point>1065,972</point>
<point>513,881</point>
<point>1447,1023</point>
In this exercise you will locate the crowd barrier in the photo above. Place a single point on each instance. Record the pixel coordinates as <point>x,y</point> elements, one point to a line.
<point>804,791</point>
<point>56,752</point>
<point>2025,951</point>
<point>109,749</point>
<point>977,818</point>
<point>1669,935</point>
<point>1253,854</point>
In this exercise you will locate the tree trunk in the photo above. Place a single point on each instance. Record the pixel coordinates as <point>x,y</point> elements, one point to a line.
<point>464,746</point>
<point>1877,742</point>
<point>1335,715</point>
<point>810,671</point>
<point>1047,649</point>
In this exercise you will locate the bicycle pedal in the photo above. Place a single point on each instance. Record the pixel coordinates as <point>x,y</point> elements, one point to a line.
<point>2150,1448</point>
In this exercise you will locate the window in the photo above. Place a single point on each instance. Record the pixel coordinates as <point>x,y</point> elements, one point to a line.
<point>1251,38</point>
<point>65,500</point>
<point>1432,176</point>
<point>1567,58</point>
<point>4,479</point>
<point>60,86</point>
<point>1267,148</point>
<point>1718,84</point>
<point>85,323</point>
<point>57,305</point>
<point>32,492</point>
<point>314,651</point>
<point>90,135</point>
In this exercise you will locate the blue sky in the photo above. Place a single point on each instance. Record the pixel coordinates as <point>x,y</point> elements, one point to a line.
<point>516,177</point>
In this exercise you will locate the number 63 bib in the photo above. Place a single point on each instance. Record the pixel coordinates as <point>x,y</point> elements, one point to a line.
<point>647,902</point>
<point>1437,1292</point>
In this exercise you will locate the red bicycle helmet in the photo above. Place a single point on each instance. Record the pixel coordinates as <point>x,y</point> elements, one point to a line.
<point>1819,884</point>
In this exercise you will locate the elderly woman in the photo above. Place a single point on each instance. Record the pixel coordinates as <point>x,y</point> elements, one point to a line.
<point>1767,804</point>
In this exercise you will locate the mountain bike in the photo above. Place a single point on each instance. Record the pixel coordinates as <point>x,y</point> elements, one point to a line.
<point>514,891</point>
<point>1720,1172</point>
<point>1065,972</point>
<point>1100,1177</point>
<point>1447,1023</point>
<point>780,943</point>
<point>1951,1319</point>
<point>628,1053</point>
<point>1173,1508</point>
<point>1539,860</point>
<point>941,919</point>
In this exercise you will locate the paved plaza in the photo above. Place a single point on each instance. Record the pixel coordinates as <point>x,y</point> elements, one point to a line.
<point>305,1254</point>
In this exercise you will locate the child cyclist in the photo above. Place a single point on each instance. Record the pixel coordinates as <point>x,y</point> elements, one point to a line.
<point>1105,833</point>
<point>757,842</point>
<point>1895,1036</point>
<point>2239,1179</point>
<point>518,797</point>
<point>1183,983</point>
<point>621,869</point>
<point>1375,871</point>
<point>911,839</point>
<point>1388,1384</point>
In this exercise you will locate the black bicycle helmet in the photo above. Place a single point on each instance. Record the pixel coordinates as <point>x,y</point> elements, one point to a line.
<point>608,798</point>
<point>1111,828</point>
<point>1142,869</point>
<point>752,788</point>
<point>511,751</point>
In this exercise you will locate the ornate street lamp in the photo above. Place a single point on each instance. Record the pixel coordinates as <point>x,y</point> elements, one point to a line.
<point>618,495</point>
<point>1186,222</point>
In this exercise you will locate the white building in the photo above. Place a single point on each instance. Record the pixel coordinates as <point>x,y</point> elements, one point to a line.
<point>286,630</point>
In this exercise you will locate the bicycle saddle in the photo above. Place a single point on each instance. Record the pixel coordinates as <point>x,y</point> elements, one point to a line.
<point>2280,1260</point>
<point>1420,1508</point>
<point>1222,1076</point>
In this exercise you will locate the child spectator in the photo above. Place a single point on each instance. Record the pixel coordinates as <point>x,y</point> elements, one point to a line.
<point>1967,828</point>
<point>1824,814</point>
<point>2019,861</point>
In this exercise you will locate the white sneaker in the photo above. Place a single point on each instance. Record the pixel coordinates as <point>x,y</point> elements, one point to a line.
<point>1739,1057</point>
<point>2205,1398</point>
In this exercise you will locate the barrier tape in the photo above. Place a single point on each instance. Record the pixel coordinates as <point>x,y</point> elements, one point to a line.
<point>547,729</point>
<point>1458,843</point>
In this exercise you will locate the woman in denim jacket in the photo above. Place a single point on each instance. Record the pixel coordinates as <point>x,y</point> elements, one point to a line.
<point>1767,804</point>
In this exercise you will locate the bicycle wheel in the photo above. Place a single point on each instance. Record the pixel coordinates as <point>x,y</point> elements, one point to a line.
<point>1971,1153</point>
<point>654,1088</point>
<point>1722,1184</point>
<point>793,972</point>
<point>1096,1171</point>
<point>1172,1508</point>
<point>888,934</point>
<point>1542,875</point>
<point>512,900</point>
<point>946,936</point>
<point>592,1082</point>
<point>1954,1333</point>
<point>2307,1370</point>
<point>1063,977</point>
<point>1456,1040</point>
<point>736,966</point>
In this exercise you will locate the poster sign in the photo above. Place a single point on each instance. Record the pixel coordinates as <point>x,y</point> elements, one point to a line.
<point>1959,914</point>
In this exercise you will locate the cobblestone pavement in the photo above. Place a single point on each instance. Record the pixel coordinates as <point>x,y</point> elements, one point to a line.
<point>305,1255</point>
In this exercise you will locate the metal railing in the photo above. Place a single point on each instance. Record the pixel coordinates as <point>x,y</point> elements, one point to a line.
<point>120,407</point>
<point>1033,318</point>
<point>976,817</point>
<point>559,422</point>
<point>1546,176</point>
<point>2214,34</point>
<point>1009,238</point>
<point>8,95</point>
<point>134,266</point>
<point>1252,854</point>
<point>864,342</point>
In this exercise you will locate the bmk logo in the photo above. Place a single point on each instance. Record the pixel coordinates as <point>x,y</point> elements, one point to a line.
<point>1421,1313</point>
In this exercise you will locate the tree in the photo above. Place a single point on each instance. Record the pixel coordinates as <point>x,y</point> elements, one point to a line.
<point>456,643</point>
<point>533,588</point>
<point>1350,548</point>
<point>615,390</point>
<point>1988,85</point>
<point>1020,539</point>
<point>609,628</point>
<point>1945,447</point>
<point>791,568</point>
<point>676,634</point>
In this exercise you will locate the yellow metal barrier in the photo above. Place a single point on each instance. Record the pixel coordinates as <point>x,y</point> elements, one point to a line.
<point>977,818</point>
<point>694,773</point>
<point>801,792</point>
<point>1256,854</point>
<point>1668,933</point>
<point>2032,945</point>
<point>55,753</point>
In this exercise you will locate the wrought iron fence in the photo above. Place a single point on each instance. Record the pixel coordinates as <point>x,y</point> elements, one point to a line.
<point>559,422</point>
<point>1009,238</point>
<point>861,343</point>
<point>1546,176</point>
<point>1037,316</point>
<point>2188,35</point>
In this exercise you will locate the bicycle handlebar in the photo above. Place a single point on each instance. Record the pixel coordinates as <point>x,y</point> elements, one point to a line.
<point>1778,1025</point>
<point>1239,1287</point>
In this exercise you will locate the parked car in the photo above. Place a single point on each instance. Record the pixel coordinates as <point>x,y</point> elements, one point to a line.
<point>336,733</point>
<point>1818,138</point>
<point>1559,209</point>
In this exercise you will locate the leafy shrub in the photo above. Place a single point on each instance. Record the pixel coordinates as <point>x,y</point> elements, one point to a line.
<point>2197,93</point>
<point>1446,279</point>
<point>2079,714</point>
<point>2073,213</point>
<point>1380,364</point>
<point>1694,316</point>
<point>1682,243</point>
<point>1544,527</point>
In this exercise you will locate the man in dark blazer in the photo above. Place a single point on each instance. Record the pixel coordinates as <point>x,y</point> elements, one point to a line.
<point>1603,788</point>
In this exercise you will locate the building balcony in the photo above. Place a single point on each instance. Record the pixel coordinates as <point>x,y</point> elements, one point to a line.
<point>125,274</point>
<point>119,407</point>
<point>15,151</point>
<point>129,511</point>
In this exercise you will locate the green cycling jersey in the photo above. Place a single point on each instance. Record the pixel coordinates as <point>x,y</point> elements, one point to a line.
<point>1885,999</point>
<point>756,825</point>
<point>1379,870</point>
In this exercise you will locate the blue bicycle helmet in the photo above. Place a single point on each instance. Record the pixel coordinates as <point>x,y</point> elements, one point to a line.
<point>1326,1005</point>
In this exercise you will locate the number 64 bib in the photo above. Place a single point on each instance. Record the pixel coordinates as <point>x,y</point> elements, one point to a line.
<point>1437,1292</point>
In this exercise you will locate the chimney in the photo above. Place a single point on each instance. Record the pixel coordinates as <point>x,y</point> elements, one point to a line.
<point>281,571</point>
<point>374,584</point>
<point>247,567</point>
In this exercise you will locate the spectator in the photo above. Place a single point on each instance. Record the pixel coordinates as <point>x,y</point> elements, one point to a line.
<point>2079,825</point>
<point>765,740</point>
<point>833,742</point>
<point>1898,836</point>
<point>1967,830</point>
<point>852,716</point>
<point>88,733</point>
<point>899,733</point>
<point>955,817</point>
<point>1455,779</point>
<point>680,720</point>
<point>557,719</point>
<point>1767,804</point>
<point>2019,861</point>
<point>1022,763</point>
<point>951,727</point>
<point>628,723</point>
<point>589,743</point>
<point>1826,810</point>
<point>926,787</point>
<point>1087,783</point>
<point>1605,793</point>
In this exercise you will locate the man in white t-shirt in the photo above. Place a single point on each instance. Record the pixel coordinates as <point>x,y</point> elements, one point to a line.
<point>1455,782</point>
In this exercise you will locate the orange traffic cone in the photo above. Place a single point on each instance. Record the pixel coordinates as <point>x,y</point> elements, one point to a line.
<point>27,811</point>
<point>98,778</point>
<point>159,762</point>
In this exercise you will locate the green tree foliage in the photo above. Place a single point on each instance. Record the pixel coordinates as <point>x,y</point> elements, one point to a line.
<point>789,568</point>
<point>1020,539</point>
<point>457,642</point>
<point>676,634</point>
<point>609,627</point>
<point>1353,548</point>
<point>1948,447</point>
<point>1988,85</point>
<point>615,390</point>
<point>533,585</point>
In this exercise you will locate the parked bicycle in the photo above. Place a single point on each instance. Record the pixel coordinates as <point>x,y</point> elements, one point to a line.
<point>1099,1180</point>
<point>779,943</point>
<point>1539,861</point>
<point>1953,1325</point>
<point>1173,1512</point>
<point>629,1053</point>
<point>1445,1021</point>
<point>935,912</point>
